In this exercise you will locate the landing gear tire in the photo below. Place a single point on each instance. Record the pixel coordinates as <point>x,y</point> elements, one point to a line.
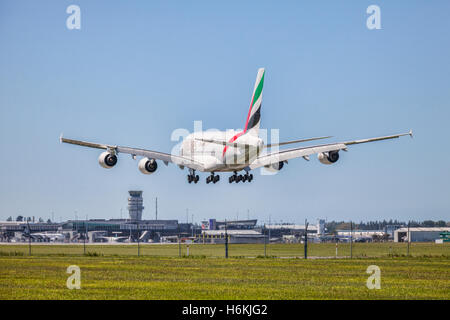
<point>212,178</point>
<point>191,177</point>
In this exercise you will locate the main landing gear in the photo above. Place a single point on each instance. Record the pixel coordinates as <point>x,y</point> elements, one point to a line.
<point>192,177</point>
<point>237,178</point>
<point>212,178</point>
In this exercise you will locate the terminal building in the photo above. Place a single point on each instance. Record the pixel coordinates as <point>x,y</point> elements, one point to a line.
<point>93,230</point>
<point>15,229</point>
<point>134,228</point>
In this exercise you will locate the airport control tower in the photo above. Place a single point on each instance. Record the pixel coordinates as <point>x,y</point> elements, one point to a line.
<point>135,206</point>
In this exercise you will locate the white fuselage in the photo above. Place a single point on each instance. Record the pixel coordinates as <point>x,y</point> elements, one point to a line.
<point>218,157</point>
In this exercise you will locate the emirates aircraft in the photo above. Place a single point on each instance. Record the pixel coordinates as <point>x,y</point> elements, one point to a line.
<point>228,151</point>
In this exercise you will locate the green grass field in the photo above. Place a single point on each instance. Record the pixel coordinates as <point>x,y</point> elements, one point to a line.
<point>115,272</point>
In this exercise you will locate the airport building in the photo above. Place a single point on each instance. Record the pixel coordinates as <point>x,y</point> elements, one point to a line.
<point>234,236</point>
<point>419,234</point>
<point>213,224</point>
<point>359,235</point>
<point>19,226</point>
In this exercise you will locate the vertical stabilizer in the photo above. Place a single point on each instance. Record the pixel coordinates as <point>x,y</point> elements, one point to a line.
<point>254,114</point>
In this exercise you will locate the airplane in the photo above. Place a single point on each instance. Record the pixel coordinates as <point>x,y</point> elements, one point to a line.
<point>228,151</point>
<point>44,236</point>
<point>47,236</point>
<point>114,239</point>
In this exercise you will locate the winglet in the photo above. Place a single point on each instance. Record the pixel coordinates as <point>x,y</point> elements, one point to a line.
<point>411,133</point>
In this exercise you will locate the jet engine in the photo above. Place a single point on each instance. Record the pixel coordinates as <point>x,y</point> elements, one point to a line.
<point>329,157</point>
<point>107,160</point>
<point>274,167</point>
<point>147,166</point>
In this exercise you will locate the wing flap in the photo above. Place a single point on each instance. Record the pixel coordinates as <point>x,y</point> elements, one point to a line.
<point>285,155</point>
<point>165,157</point>
<point>295,141</point>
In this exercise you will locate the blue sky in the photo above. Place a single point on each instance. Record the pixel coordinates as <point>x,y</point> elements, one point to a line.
<point>137,70</point>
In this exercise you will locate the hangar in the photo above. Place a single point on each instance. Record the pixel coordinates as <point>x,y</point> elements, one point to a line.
<point>419,234</point>
<point>234,236</point>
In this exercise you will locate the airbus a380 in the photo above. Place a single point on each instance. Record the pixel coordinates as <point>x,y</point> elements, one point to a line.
<point>228,151</point>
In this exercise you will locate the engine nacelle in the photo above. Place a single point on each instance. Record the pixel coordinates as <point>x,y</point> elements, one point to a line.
<point>147,166</point>
<point>329,157</point>
<point>107,160</point>
<point>274,167</point>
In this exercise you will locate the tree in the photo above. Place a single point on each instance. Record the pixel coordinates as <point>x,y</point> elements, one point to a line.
<point>9,219</point>
<point>19,218</point>
<point>428,223</point>
<point>440,223</point>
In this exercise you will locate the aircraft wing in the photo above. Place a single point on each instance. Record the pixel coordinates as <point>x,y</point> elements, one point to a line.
<point>284,155</point>
<point>165,157</point>
<point>295,141</point>
<point>241,145</point>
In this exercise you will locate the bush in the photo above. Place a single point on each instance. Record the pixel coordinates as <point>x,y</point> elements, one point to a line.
<point>94,254</point>
<point>11,254</point>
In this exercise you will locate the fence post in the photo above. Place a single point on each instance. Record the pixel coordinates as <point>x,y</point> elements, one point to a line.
<point>265,250</point>
<point>306,239</point>
<point>138,236</point>
<point>351,240</point>
<point>85,235</point>
<point>409,236</point>
<point>29,238</point>
<point>226,240</point>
